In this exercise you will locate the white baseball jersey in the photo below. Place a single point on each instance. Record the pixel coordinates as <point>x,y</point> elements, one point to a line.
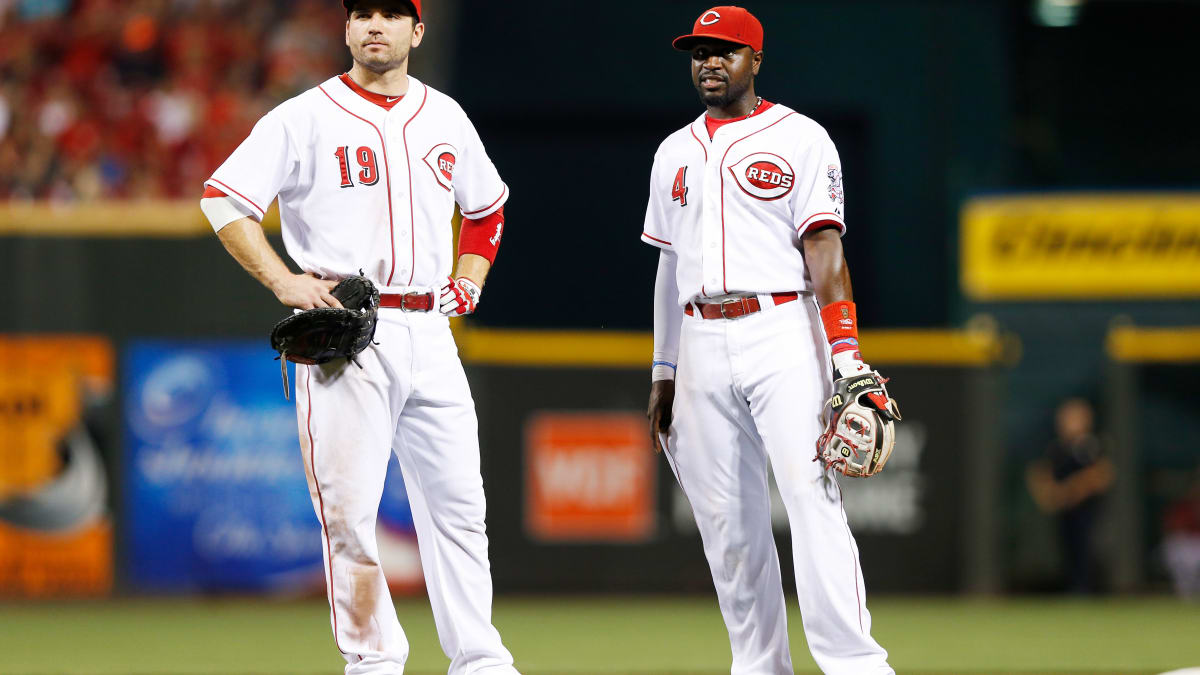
<point>364,187</point>
<point>728,213</point>
<point>733,208</point>
<point>361,187</point>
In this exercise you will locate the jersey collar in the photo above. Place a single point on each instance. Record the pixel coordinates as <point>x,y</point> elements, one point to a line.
<point>385,102</point>
<point>740,129</point>
<point>352,101</point>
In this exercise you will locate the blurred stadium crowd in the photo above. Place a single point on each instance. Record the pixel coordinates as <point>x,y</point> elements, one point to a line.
<point>142,99</point>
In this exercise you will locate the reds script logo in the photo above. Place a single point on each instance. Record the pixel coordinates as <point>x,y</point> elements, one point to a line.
<point>764,176</point>
<point>440,159</point>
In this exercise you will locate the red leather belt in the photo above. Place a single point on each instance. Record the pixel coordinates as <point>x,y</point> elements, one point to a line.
<point>737,307</point>
<point>408,302</point>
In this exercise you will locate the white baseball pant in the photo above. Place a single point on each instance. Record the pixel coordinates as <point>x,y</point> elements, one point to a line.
<point>411,397</point>
<point>750,390</point>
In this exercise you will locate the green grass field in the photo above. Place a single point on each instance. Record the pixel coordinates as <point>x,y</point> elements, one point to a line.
<point>576,635</point>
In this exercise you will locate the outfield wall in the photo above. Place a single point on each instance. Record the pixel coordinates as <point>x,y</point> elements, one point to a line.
<point>956,518</point>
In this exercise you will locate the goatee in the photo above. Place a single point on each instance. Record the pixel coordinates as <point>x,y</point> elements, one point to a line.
<point>732,93</point>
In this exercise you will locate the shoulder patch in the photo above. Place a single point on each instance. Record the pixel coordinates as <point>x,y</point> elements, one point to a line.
<point>835,184</point>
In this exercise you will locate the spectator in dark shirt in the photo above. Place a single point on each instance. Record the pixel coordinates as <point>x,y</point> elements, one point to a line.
<point>1069,483</point>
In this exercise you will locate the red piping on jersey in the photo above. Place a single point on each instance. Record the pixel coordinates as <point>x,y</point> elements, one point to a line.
<point>211,192</point>
<point>412,214</point>
<point>661,241</point>
<point>387,172</point>
<point>502,193</point>
<point>711,124</point>
<point>312,461</point>
<point>724,281</point>
<point>260,209</point>
<point>702,146</point>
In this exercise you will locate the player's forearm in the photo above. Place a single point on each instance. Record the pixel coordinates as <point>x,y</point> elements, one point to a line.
<point>246,242</point>
<point>668,318</point>
<point>473,267</point>
<point>831,281</point>
<point>478,244</point>
<point>827,267</point>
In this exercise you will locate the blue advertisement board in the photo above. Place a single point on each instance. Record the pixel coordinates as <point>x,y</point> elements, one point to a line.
<point>215,496</point>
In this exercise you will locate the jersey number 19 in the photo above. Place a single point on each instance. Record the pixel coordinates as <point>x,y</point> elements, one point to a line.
<point>369,175</point>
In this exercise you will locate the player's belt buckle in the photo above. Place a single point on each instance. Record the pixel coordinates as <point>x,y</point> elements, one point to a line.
<point>736,302</point>
<point>414,299</point>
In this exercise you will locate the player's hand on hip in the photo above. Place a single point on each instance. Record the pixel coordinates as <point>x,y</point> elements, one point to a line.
<point>305,291</point>
<point>662,398</point>
<point>458,297</point>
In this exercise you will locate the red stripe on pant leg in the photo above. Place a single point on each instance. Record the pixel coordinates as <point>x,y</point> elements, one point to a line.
<point>312,460</point>
<point>850,540</point>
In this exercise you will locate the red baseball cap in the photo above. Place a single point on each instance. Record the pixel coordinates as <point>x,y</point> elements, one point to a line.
<point>416,6</point>
<point>732,24</point>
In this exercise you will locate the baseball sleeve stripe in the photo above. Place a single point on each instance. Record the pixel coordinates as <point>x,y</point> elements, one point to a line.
<point>479,213</point>
<point>649,238</point>
<point>820,219</point>
<point>262,212</point>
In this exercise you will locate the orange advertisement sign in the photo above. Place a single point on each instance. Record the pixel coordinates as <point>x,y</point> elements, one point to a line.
<point>56,535</point>
<point>589,477</point>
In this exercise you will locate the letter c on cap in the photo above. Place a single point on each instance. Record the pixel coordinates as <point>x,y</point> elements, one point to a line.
<point>706,21</point>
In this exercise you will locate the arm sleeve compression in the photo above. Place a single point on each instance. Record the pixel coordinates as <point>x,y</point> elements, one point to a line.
<point>668,317</point>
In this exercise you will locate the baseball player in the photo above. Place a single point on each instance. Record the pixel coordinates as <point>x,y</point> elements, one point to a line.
<point>746,206</point>
<point>368,167</point>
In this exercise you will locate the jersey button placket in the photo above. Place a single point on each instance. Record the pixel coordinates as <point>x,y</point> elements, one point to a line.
<point>400,196</point>
<point>711,224</point>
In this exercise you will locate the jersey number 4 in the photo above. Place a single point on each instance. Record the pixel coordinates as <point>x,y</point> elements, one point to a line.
<point>369,173</point>
<point>679,187</point>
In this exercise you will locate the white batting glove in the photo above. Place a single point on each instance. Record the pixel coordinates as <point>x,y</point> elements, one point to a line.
<point>458,297</point>
<point>847,364</point>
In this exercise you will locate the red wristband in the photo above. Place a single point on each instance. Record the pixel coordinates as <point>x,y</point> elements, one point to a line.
<point>840,320</point>
<point>841,326</point>
<point>482,237</point>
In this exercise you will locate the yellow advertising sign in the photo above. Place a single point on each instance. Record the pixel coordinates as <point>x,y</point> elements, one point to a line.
<point>1081,246</point>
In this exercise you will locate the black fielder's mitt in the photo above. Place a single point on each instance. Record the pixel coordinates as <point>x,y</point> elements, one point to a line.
<point>323,334</point>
